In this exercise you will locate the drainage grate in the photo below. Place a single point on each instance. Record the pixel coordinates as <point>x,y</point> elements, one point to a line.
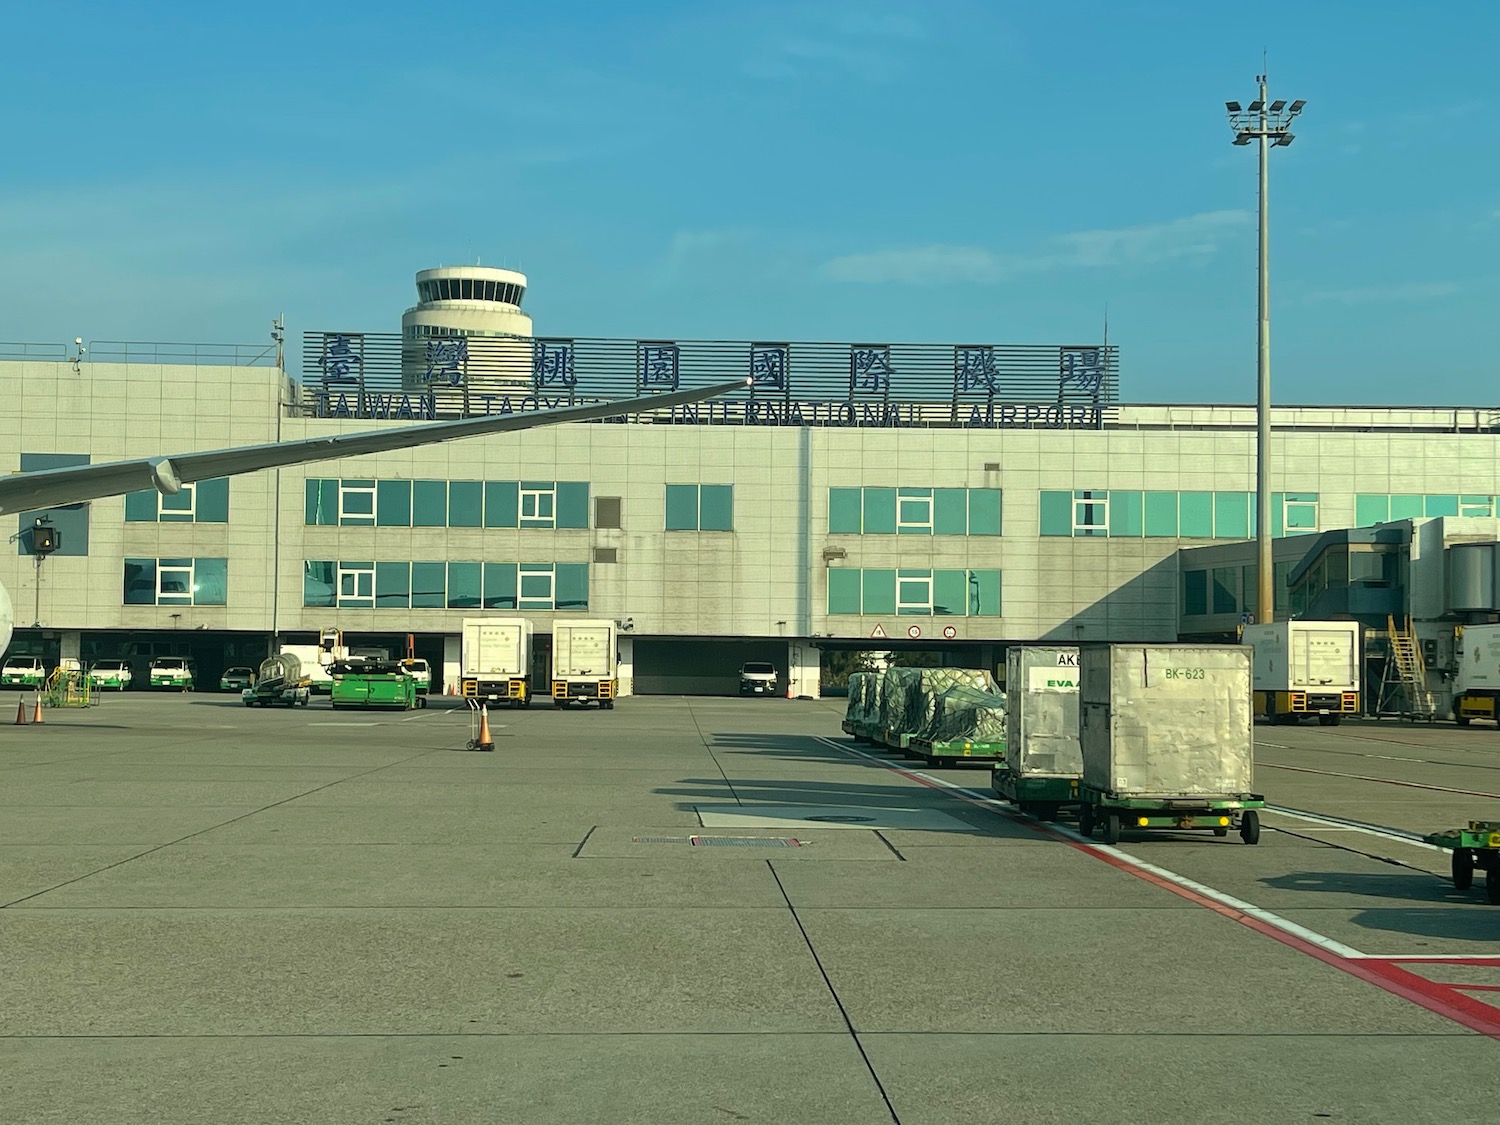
<point>722,841</point>
<point>745,842</point>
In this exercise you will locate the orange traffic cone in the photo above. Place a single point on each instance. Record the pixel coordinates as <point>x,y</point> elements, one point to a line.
<point>38,716</point>
<point>485,741</point>
<point>21,712</point>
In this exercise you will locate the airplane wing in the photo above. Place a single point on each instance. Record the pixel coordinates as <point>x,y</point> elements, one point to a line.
<point>54,488</point>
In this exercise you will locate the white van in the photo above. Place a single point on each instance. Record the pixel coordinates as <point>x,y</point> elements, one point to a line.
<point>23,672</point>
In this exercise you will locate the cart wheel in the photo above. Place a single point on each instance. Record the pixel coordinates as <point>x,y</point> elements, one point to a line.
<point>1221,831</point>
<point>1112,828</point>
<point>1086,819</point>
<point>1463,869</point>
<point>1250,827</point>
<point>1492,885</point>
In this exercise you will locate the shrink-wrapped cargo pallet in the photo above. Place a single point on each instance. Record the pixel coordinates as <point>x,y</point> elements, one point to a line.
<point>964,713</point>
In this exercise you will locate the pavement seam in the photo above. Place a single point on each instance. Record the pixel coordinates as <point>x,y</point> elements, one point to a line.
<point>211,828</point>
<point>837,1000</point>
<point>707,746</point>
<point>581,843</point>
<point>894,850</point>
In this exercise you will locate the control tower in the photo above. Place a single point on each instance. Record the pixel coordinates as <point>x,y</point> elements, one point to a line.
<point>466,337</point>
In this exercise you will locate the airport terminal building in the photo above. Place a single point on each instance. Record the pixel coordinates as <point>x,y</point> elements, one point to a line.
<point>865,494</point>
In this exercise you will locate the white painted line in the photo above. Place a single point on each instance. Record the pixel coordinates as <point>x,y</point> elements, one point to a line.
<point>1351,826</point>
<point>1322,941</point>
<point>338,723</point>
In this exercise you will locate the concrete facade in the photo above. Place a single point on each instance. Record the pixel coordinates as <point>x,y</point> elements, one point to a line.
<point>766,580</point>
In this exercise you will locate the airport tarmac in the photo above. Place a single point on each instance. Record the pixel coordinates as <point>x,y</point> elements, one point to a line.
<point>715,910</point>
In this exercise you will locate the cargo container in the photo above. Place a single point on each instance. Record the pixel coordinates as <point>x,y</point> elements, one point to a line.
<point>495,660</point>
<point>1305,668</point>
<point>1476,682</point>
<point>908,700</point>
<point>282,680</point>
<point>584,660</point>
<point>862,712</point>
<point>1166,739</point>
<point>1043,763</point>
<point>965,724</point>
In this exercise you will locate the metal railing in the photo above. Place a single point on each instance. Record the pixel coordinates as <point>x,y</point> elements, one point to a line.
<point>195,355</point>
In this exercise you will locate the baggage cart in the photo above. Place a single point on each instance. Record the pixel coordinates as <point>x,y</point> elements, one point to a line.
<point>1475,848</point>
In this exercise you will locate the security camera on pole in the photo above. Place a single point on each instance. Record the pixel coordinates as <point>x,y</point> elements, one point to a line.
<point>1270,124</point>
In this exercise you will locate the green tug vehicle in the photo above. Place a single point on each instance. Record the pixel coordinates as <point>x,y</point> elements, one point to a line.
<point>374,684</point>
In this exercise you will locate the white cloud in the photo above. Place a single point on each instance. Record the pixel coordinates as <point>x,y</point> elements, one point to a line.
<point>1193,236</point>
<point>866,45</point>
<point>922,265</point>
<point>1373,294</point>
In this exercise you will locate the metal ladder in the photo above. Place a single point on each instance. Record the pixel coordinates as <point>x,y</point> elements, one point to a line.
<point>1404,690</point>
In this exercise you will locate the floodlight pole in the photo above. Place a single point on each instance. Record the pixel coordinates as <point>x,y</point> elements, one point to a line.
<point>1267,123</point>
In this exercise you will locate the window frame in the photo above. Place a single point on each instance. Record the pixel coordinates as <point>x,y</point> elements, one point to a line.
<point>359,487</point>
<point>355,600</point>
<point>904,526</point>
<point>536,494</point>
<point>163,596</point>
<point>1091,497</point>
<point>536,570</point>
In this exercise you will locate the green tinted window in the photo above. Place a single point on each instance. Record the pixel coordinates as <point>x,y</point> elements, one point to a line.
<point>1195,592</point>
<point>140,582</point>
<point>571,586</point>
<point>880,511</point>
<point>1406,507</point>
<point>572,503</point>
<point>1057,513</point>
<point>393,504</point>
<point>984,511</point>
<point>500,503</point>
<point>1441,505</point>
<point>682,507</point>
<point>716,507</point>
<point>1161,515</point>
<point>392,585</point>
<point>465,503</point>
<point>429,503</point>
<point>843,591</point>
<point>1125,513</point>
<point>879,591</point>
<point>1195,515</point>
<point>464,585</point>
<point>950,511</point>
<point>318,580</point>
<point>210,581</point>
<point>844,511</point>
<point>1231,515</point>
<point>1225,589</point>
<point>984,594</point>
<point>140,507</point>
<point>428,581</point>
<point>950,593</point>
<point>499,585</point>
<point>1249,595</point>
<point>1370,510</point>
<point>178,508</point>
<point>322,503</point>
<point>212,500</point>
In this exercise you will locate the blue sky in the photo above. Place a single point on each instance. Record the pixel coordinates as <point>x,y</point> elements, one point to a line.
<point>949,171</point>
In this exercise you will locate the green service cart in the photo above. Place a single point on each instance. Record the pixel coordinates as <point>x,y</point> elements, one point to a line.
<point>1177,814</point>
<point>1038,796</point>
<point>374,684</point>
<point>962,750</point>
<point>1475,848</point>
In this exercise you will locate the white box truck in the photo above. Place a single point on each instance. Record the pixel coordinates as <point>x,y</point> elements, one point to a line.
<point>495,660</point>
<point>584,659</point>
<point>1476,683</point>
<point>1305,668</point>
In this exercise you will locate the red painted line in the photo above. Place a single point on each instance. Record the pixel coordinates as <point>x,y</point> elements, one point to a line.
<point>1379,780</point>
<point>1469,987</point>
<point>1389,976</point>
